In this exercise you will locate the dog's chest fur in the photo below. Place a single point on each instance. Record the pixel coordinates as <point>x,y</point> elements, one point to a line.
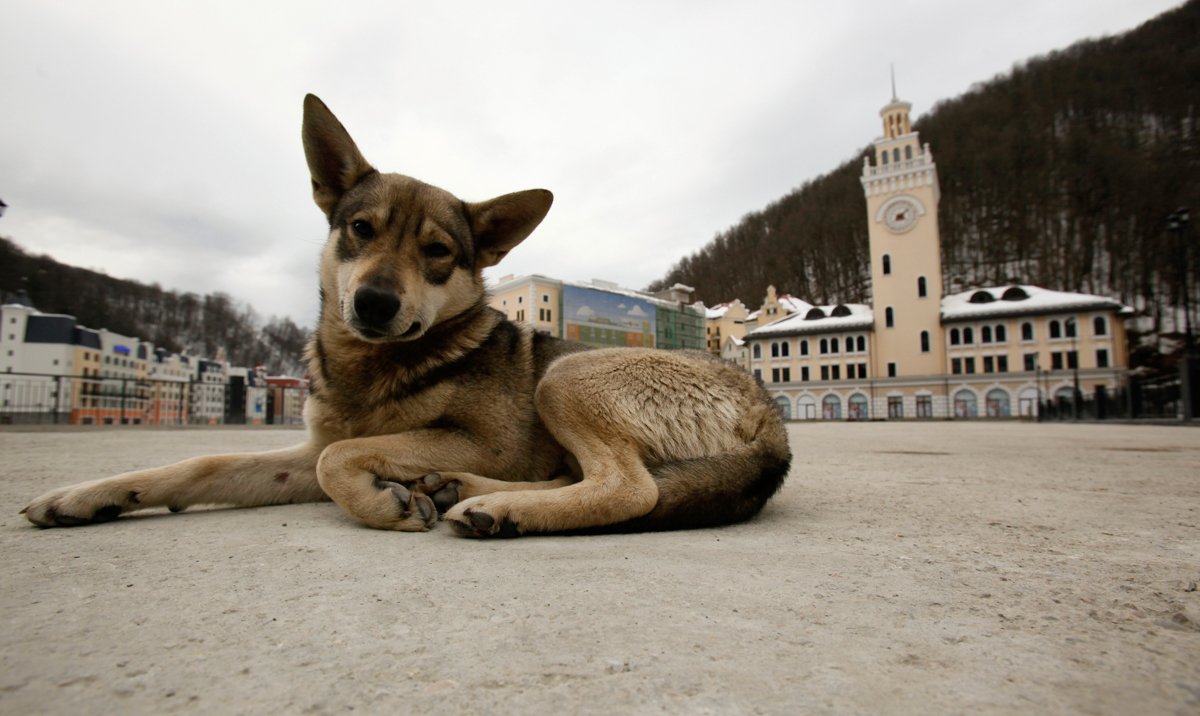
<point>477,376</point>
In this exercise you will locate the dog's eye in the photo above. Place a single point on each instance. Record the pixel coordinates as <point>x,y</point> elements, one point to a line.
<point>436,251</point>
<point>362,229</point>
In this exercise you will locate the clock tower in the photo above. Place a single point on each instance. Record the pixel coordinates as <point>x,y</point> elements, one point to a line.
<point>906,266</point>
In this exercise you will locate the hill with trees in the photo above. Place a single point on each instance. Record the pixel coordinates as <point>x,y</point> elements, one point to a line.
<point>200,325</point>
<point>1060,173</point>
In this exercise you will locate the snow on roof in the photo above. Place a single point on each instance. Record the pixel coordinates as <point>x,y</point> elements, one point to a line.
<point>1021,300</point>
<point>820,319</point>
<point>716,311</point>
<point>793,304</point>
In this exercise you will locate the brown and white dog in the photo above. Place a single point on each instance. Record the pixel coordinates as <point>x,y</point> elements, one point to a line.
<point>425,400</point>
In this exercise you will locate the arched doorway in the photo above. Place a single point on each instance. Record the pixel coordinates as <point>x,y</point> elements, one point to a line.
<point>965,404</point>
<point>998,403</point>
<point>831,407</point>
<point>857,407</point>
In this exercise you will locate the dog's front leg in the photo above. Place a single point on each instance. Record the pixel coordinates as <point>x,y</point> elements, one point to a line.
<point>242,480</point>
<point>379,480</point>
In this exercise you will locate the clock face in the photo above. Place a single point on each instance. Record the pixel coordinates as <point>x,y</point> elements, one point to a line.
<point>900,216</point>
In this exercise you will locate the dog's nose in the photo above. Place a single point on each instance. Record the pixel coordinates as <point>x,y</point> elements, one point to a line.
<point>375,307</point>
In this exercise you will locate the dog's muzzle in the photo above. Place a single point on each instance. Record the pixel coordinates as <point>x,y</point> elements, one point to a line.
<point>375,308</point>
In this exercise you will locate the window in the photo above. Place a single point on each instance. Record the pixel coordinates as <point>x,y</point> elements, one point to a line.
<point>1027,331</point>
<point>924,341</point>
<point>921,287</point>
<point>956,366</point>
<point>836,372</point>
<point>955,337</point>
<point>1101,357</point>
<point>895,406</point>
<point>862,370</point>
<point>804,347</point>
<point>774,350</point>
<point>787,375</point>
<point>989,364</point>
<point>1031,361</point>
<point>758,373</point>
<point>862,344</point>
<point>545,298</point>
<point>1099,326</point>
<point>1072,360</point>
<point>757,351</point>
<point>1001,334</point>
<point>774,375</point>
<point>970,365</point>
<point>833,345</point>
<point>887,264</point>
<point>804,373</point>
<point>889,317</point>
<point>968,335</point>
<point>824,372</point>
<point>884,156</point>
<point>891,370</point>
<point>1069,325</point>
<point>908,152</point>
<point>783,349</point>
<point>824,346</point>
<point>896,154</point>
<point>1055,329</point>
<point>924,406</point>
<point>985,334</point>
<point>1056,360</point>
<point>1001,364</point>
<point>851,370</point>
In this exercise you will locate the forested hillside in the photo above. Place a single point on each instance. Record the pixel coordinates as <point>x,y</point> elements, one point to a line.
<point>1060,173</point>
<point>199,324</point>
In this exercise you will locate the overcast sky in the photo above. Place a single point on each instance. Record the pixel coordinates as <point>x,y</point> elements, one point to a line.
<point>160,141</point>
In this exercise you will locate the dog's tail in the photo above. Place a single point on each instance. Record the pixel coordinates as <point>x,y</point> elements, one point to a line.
<point>718,489</point>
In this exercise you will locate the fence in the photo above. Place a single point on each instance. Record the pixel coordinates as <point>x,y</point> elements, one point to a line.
<point>38,398</point>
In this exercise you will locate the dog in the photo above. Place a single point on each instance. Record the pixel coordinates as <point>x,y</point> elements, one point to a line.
<point>427,404</point>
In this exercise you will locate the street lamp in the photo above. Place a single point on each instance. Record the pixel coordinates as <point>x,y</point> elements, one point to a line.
<point>1073,329</point>
<point>1177,222</point>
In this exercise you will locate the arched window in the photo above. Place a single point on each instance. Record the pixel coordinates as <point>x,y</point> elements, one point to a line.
<point>965,404</point>
<point>985,334</point>
<point>1027,331</point>
<point>784,406</point>
<point>1001,334</point>
<point>1055,329</point>
<point>757,350</point>
<point>968,335</point>
<point>955,337</point>
<point>804,347</point>
<point>921,292</point>
<point>774,350</point>
<point>896,154</point>
<point>862,344</point>
<point>857,407</point>
<point>998,403</point>
<point>908,152</point>
<point>884,157</point>
<point>824,346</point>
<point>831,407</point>
<point>889,317</point>
<point>1069,327</point>
<point>924,341</point>
<point>887,264</point>
<point>1099,326</point>
<point>784,349</point>
<point>833,345</point>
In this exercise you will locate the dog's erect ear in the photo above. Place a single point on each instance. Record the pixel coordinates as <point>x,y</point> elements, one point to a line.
<point>500,224</point>
<point>334,161</point>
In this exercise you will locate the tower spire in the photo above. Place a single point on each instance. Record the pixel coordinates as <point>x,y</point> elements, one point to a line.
<point>894,98</point>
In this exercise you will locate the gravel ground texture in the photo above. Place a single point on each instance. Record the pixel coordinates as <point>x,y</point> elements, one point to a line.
<point>933,567</point>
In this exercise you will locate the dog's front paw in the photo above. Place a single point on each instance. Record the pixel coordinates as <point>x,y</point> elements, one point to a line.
<point>484,516</point>
<point>76,506</point>
<point>442,490</point>
<point>396,507</point>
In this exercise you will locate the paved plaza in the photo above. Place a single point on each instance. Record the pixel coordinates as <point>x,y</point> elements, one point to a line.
<point>942,568</point>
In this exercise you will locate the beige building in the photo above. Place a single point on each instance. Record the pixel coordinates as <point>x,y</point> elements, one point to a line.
<point>917,353</point>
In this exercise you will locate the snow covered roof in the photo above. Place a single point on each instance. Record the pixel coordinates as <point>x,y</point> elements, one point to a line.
<point>716,311</point>
<point>793,304</point>
<point>1021,300</point>
<point>819,319</point>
